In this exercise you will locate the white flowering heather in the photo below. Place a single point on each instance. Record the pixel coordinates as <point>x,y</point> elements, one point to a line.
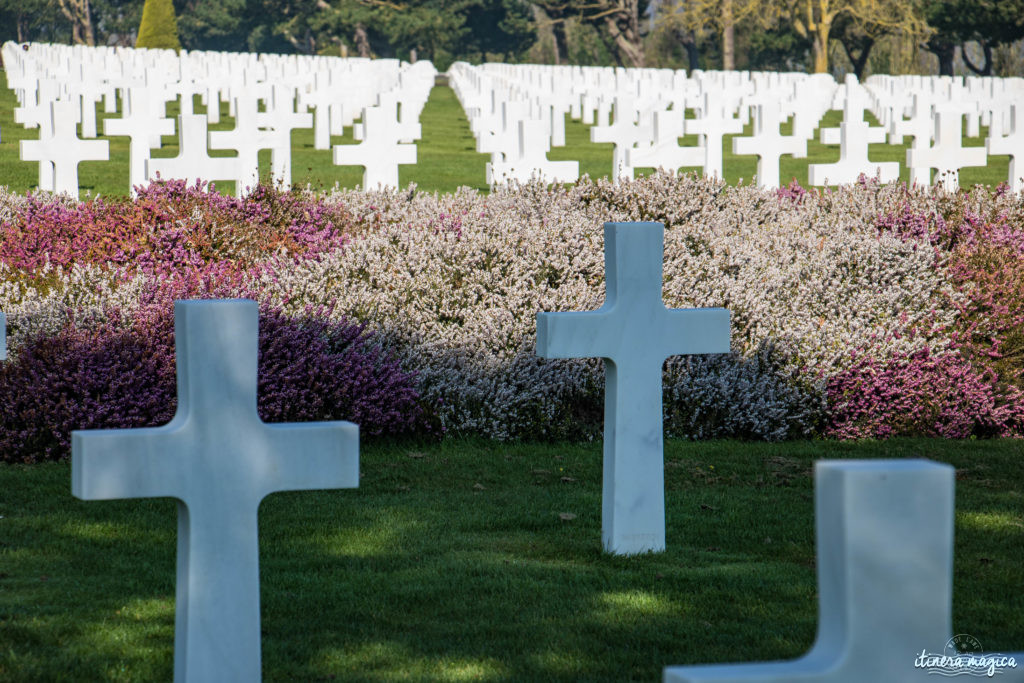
<point>454,283</point>
<point>81,295</point>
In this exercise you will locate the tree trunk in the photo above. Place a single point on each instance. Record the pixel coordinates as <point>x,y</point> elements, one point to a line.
<point>986,67</point>
<point>362,41</point>
<point>728,37</point>
<point>90,34</point>
<point>561,42</point>
<point>78,13</point>
<point>944,51</point>
<point>860,60</point>
<point>820,46</point>
<point>689,42</point>
<point>623,26</point>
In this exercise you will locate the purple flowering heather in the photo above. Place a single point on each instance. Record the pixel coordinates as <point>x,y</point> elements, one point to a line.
<point>123,377</point>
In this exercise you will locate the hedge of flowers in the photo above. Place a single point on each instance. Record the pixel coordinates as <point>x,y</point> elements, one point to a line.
<point>868,311</point>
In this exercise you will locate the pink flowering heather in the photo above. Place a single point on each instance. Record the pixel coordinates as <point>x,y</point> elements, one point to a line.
<point>923,394</point>
<point>171,228</point>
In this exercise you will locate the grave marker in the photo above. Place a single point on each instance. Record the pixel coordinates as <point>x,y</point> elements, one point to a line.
<point>245,138</point>
<point>193,163</point>
<point>531,159</point>
<point>623,133</point>
<point>884,532</point>
<point>59,150</point>
<point>769,144</point>
<point>853,135</point>
<point>379,153</point>
<point>634,333</point>
<point>1012,144</point>
<point>716,121</point>
<point>946,155</point>
<point>140,123</point>
<point>665,151</point>
<point>219,459</point>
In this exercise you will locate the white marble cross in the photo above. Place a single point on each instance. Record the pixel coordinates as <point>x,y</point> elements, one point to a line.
<point>219,459</point>
<point>665,151</point>
<point>59,150</point>
<point>246,138</point>
<point>140,123</point>
<point>193,163</point>
<point>380,153</point>
<point>769,144</point>
<point>531,159</point>
<point>919,126</point>
<point>634,333</point>
<point>320,98</point>
<point>716,121</point>
<point>853,135</point>
<point>885,577</point>
<point>1013,145</point>
<point>946,155</point>
<point>623,133</point>
<point>278,121</point>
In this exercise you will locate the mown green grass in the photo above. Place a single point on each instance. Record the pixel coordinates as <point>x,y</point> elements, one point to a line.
<point>446,156</point>
<point>451,562</point>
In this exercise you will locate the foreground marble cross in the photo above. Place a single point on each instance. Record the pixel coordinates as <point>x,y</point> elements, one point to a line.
<point>885,577</point>
<point>634,333</point>
<point>219,460</point>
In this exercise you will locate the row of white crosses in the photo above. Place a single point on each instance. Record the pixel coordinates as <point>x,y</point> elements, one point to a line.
<point>884,528</point>
<point>515,129</point>
<point>388,129</point>
<point>937,111</point>
<point>269,96</point>
<point>643,113</point>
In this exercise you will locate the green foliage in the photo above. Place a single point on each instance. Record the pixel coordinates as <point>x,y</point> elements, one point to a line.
<point>213,24</point>
<point>159,27</point>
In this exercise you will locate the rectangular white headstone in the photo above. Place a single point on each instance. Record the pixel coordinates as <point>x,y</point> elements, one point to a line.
<point>885,577</point>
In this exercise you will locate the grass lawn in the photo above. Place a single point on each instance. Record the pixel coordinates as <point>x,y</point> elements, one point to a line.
<point>457,561</point>
<point>446,155</point>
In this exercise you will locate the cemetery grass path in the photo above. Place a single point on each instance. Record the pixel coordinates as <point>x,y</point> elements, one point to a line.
<point>474,560</point>
<point>446,155</point>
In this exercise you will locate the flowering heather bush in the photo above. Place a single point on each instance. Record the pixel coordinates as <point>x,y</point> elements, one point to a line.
<point>168,229</point>
<point>922,394</point>
<point>981,246</point>
<point>454,282</point>
<point>837,297</point>
<point>121,375</point>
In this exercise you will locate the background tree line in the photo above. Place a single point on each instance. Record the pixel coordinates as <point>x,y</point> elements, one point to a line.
<point>863,36</point>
